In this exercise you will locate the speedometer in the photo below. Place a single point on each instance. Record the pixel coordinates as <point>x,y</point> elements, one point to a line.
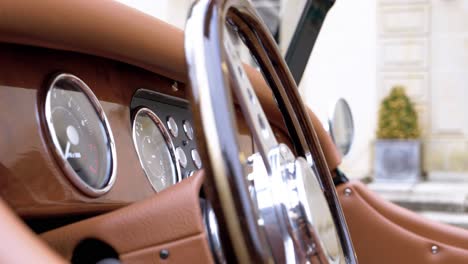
<point>82,139</point>
<point>155,149</point>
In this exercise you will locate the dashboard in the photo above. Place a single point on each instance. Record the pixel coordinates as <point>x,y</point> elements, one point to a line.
<point>78,133</point>
<point>83,135</point>
<point>75,132</point>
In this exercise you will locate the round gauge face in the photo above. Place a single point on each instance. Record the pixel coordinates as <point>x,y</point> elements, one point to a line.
<point>82,139</point>
<point>155,150</point>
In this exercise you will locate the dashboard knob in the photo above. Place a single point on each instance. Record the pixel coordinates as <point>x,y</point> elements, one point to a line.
<point>181,157</point>
<point>172,126</point>
<point>196,158</point>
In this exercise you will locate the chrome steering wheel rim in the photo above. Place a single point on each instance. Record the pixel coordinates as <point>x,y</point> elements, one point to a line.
<point>210,63</point>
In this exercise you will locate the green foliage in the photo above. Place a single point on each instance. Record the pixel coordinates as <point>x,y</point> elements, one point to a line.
<point>397,116</point>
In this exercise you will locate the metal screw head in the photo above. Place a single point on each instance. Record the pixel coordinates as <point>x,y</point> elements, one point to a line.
<point>347,191</point>
<point>175,86</point>
<point>164,254</point>
<point>250,161</point>
<point>434,249</point>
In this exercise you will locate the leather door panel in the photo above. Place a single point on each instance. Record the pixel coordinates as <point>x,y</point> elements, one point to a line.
<point>383,232</point>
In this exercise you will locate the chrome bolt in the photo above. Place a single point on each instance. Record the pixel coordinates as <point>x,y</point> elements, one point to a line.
<point>434,249</point>
<point>164,254</point>
<point>175,86</point>
<point>347,192</point>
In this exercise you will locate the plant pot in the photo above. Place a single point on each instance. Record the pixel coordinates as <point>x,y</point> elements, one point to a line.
<point>398,160</point>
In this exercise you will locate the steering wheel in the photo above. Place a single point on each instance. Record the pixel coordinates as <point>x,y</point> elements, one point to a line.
<point>286,210</point>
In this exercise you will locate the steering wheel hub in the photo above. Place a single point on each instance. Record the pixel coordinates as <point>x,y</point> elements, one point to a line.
<point>292,207</point>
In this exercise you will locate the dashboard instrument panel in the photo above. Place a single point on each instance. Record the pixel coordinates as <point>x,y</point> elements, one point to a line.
<point>174,119</point>
<point>32,179</point>
<point>41,188</point>
<point>82,138</point>
<point>155,149</point>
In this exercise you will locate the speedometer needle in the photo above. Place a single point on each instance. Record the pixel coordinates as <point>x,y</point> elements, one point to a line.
<point>67,149</point>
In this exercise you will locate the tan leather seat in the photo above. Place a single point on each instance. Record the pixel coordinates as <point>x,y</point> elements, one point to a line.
<point>383,232</point>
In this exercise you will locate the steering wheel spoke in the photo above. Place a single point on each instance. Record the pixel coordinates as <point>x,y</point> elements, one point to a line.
<point>249,103</point>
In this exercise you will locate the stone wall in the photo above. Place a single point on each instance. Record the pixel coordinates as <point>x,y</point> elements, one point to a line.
<point>423,45</point>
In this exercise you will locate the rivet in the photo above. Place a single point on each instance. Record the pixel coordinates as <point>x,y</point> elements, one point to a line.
<point>347,191</point>
<point>434,249</point>
<point>164,254</point>
<point>175,86</point>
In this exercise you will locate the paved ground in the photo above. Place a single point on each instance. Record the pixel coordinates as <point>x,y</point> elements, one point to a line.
<point>444,197</point>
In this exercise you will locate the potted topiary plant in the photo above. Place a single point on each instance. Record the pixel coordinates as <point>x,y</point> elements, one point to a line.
<point>398,148</point>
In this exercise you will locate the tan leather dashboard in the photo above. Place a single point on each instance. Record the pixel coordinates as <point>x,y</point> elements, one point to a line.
<point>103,28</point>
<point>170,220</point>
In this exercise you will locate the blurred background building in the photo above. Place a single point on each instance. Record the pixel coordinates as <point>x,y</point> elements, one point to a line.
<point>367,47</point>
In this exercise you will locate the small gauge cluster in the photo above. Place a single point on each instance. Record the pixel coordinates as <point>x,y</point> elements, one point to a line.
<point>79,135</point>
<point>164,137</point>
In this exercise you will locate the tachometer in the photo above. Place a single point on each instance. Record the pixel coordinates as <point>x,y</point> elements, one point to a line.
<point>155,149</point>
<point>80,133</point>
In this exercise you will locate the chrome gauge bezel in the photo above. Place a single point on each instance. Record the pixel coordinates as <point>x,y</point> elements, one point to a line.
<point>167,137</point>
<point>56,150</point>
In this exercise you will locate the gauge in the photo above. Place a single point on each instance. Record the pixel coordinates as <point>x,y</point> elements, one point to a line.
<point>155,149</point>
<point>81,136</point>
